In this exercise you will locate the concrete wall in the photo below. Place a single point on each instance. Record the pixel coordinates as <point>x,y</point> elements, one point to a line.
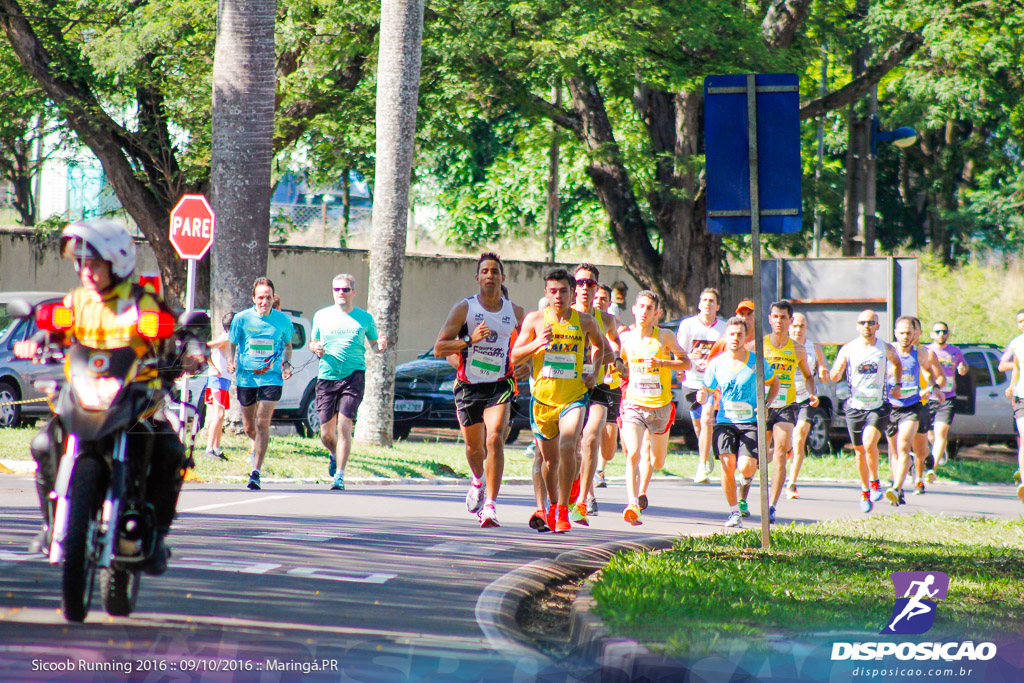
<point>302,275</point>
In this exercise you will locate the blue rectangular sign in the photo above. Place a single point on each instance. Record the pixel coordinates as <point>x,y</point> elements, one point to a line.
<point>727,153</point>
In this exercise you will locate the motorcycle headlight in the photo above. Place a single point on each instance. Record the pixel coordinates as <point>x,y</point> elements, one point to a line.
<point>96,393</point>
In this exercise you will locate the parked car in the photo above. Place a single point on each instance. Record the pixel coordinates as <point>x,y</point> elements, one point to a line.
<point>17,375</point>
<point>424,398</point>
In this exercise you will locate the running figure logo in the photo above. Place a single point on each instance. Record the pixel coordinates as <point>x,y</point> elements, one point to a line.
<point>914,612</point>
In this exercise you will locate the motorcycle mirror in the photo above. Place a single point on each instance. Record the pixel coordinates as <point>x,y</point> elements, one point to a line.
<point>19,308</point>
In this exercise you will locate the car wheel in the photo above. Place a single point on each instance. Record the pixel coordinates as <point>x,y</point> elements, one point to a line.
<point>10,415</point>
<point>953,449</point>
<point>817,438</point>
<point>513,434</point>
<point>309,420</point>
<point>400,431</point>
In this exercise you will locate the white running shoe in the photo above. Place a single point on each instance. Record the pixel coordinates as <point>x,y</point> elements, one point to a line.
<point>701,475</point>
<point>488,517</point>
<point>734,519</point>
<point>475,498</point>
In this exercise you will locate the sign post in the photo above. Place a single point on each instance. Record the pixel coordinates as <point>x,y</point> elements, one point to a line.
<point>192,230</point>
<point>752,143</point>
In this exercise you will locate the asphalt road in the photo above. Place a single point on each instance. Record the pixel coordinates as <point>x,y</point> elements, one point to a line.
<point>377,583</point>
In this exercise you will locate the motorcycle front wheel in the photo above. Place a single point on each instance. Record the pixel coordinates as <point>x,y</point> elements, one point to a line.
<point>119,589</point>
<point>79,540</point>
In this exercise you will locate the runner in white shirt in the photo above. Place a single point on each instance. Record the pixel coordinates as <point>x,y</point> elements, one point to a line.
<point>1015,392</point>
<point>696,335</point>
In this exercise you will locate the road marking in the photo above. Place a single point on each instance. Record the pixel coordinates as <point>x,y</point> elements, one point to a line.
<point>223,565</point>
<point>455,548</point>
<point>336,575</point>
<point>247,567</point>
<point>304,536</point>
<point>260,499</point>
<point>18,556</point>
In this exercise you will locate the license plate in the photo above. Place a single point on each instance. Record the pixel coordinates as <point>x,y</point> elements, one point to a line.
<point>408,406</point>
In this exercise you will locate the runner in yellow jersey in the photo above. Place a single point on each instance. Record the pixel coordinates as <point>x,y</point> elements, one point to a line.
<point>650,355</point>
<point>786,359</point>
<point>559,340</point>
<point>610,435</point>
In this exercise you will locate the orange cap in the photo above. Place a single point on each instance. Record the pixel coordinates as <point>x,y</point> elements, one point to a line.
<point>745,305</point>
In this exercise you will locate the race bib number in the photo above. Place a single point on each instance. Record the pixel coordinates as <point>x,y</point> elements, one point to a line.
<point>645,384</point>
<point>738,411</point>
<point>485,369</point>
<point>261,348</point>
<point>588,368</point>
<point>559,366</point>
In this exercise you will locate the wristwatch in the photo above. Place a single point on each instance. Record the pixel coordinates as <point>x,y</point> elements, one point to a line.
<point>467,339</point>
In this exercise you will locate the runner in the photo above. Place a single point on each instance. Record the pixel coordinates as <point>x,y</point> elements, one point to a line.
<point>863,362</point>
<point>602,397</point>
<point>787,359</point>
<point>953,363</point>
<point>260,356</point>
<point>1015,392</point>
<point>217,393</point>
<point>696,335</point>
<point>733,375</point>
<point>745,310</point>
<point>558,339</point>
<point>480,329</point>
<point>804,410</point>
<point>341,334</point>
<point>610,435</point>
<point>650,354</point>
<point>922,451</point>
<point>906,412</point>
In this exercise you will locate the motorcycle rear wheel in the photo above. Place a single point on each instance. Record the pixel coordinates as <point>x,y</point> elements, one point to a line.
<point>119,589</point>
<point>79,541</point>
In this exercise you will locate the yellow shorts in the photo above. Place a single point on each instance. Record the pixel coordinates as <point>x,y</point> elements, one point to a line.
<point>544,418</point>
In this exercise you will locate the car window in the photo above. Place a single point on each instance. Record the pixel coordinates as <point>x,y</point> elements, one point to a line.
<point>298,336</point>
<point>978,363</point>
<point>7,323</point>
<point>993,358</point>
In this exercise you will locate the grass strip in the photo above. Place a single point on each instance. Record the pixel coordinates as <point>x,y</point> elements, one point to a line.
<point>706,594</point>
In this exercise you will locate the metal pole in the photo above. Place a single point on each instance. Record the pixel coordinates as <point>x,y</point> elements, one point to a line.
<point>190,299</point>
<point>755,241</point>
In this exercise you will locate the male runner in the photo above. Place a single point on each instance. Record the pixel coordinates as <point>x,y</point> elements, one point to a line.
<point>610,435</point>
<point>906,412</point>
<point>260,356</point>
<point>1015,392</point>
<point>341,334</point>
<point>733,375</point>
<point>952,360</point>
<point>696,335</point>
<point>650,355</point>
<point>863,362</point>
<point>602,397</point>
<point>787,359</point>
<point>558,339</point>
<point>816,361</point>
<point>480,329</point>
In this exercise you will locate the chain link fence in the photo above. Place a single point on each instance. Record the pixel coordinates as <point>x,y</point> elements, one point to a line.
<point>318,224</point>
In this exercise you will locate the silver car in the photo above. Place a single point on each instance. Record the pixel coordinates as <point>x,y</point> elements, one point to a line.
<point>19,400</point>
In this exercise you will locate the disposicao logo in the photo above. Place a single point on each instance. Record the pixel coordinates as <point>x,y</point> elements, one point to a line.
<point>914,612</point>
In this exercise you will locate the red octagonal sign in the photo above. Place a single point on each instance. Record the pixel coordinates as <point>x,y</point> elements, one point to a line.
<point>192,225</point>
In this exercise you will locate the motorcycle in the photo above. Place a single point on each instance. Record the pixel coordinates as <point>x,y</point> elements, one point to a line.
<point>99,515</point>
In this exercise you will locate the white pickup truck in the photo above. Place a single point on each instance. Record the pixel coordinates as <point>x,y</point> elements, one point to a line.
<point>298,398</point>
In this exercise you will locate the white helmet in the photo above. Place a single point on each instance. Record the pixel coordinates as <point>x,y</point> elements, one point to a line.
<point>103,239</point>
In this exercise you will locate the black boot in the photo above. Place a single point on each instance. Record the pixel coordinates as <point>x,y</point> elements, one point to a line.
<point>157,564</point>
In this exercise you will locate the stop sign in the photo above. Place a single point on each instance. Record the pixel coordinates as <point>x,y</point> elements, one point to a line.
<point>192,223</point>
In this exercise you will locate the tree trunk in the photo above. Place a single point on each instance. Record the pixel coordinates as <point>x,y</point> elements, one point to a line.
<point>398,77</point>
<point>241,149</point>
<point>346,207</point>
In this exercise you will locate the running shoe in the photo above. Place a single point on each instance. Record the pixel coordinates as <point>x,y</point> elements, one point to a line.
<point>744,509</point>
<point>771,514</point>
<point>488,517</point>
<point>918,488</point>
<point>599,482</point>
<point>710,467</point>
<point>642,501</point>
<point>562,524</point>
<point>538,523</point>
<point>701,475</point>
<point>865,502</point>
<point>332,465</point>
<point>475,498</point>
<point>632,514</point>
<point>876,491</point>
<point>941,461</point>
<point>929,462</point>
<point>578,514</point>
<point>791,492</point>
<point>893,496</point>
<point>903,501</point>
<point>592,506</point>
<point>1020,492</point>
<point>215,454</point>
<point>930,476</point>
<point>339,482</point>
<point>734,519</point>
<point>254,481</point>
<point>1016,478</point>
<point>550,518</point>
<point>574,492</point>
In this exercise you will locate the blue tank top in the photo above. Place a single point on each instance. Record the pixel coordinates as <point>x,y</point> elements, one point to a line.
<point>910,382</point>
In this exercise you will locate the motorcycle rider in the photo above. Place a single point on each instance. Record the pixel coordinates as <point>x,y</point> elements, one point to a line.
<point>106,308</point>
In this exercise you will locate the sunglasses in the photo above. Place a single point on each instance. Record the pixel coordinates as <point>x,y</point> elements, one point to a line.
<point>586,283</point>
<point>867,322</point>
<point>940,331</point>
<point>343,289</point>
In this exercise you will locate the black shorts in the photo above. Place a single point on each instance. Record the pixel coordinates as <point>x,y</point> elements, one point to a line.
<point>924,423</point>
<point>343,396</point>
<point>604,395</point>
<point>857,420</point>
<point>784,415</point>
<point>740,439</point>
<point>690,404</point>
<point>898,415</point>
<point>942,412</point>
<point>804,410</point>
<point>249,395</point>
<point>471,400</point>
<point>1018,408</point>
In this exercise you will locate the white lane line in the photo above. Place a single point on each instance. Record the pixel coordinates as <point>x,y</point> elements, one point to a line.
<point>259,499</point>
